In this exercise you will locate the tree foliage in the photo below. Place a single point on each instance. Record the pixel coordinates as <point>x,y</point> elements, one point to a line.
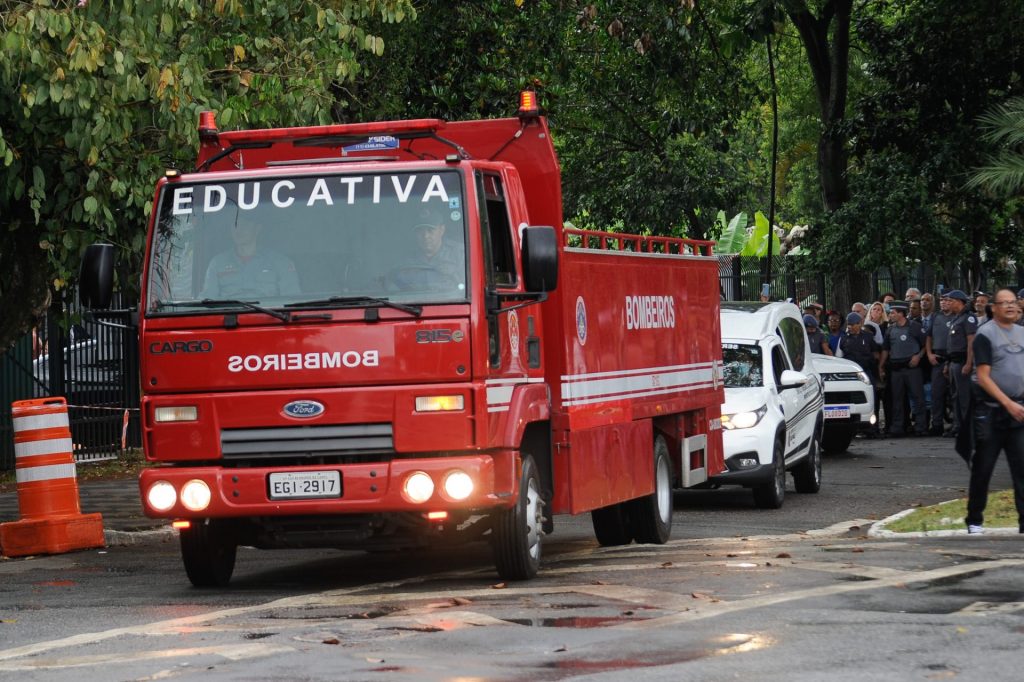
<point>102,96</point>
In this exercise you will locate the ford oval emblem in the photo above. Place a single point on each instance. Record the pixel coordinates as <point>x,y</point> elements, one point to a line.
<point>304,409</point>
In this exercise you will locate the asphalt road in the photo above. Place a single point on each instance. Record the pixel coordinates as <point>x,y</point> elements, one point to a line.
<point>737,593</point>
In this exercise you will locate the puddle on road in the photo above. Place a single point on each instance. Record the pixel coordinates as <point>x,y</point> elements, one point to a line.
<point>718,646</point>
<point>580,622</point>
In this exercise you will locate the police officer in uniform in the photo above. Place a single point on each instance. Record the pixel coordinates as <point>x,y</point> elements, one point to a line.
<point>999,412</point>
<point>902,350</point>
<point>936,346</point>
<point>962,329</point>
<point>858,345</point>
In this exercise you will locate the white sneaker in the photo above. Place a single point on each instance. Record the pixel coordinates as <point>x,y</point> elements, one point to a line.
<point>975,530</point>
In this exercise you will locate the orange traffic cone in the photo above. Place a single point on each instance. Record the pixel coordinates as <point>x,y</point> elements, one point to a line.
<point>51,521</point>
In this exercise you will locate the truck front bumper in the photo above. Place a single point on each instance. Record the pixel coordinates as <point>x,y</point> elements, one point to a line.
<point>366,488</point>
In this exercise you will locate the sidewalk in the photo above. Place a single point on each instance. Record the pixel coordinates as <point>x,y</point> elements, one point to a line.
<point>119,503</point>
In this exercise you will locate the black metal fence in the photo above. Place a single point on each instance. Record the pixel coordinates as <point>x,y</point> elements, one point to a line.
<point>92,362</point>
<point>742,277</point>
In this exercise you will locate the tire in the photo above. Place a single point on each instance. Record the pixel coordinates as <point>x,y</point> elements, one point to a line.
<point>651,516</point>
<point>835,441</point>
<point>208,554</point>
<point>772,494</point>
<point>611,525</point>
<point>807,474</point>
<point>518,531</point>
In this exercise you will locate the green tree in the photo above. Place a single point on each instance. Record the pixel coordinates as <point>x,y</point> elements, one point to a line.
<point>1003,172</point>
<point>935,67</point>
<point>102,96</point>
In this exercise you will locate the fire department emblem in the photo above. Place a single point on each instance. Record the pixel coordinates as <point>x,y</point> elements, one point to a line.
<point>513,333</point>
<point>581,320</point>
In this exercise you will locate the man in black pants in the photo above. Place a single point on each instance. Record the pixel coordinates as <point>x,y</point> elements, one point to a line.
<point>903,348</point>
<point>999,409</point>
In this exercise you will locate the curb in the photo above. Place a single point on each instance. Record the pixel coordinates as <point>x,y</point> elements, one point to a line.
<point>124,538</point>
<point>878,530</point>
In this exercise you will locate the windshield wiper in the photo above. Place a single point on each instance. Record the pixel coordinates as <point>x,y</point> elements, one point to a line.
<point>219,303</point>
<point>358,301</point>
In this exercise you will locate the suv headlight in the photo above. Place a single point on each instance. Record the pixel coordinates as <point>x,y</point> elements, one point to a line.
<point>744,420</point>
<point>863,376</point>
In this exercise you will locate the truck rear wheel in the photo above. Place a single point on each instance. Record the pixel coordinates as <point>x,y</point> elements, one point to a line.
<point>208,553</point>
<point>517,531</point>
<point>611,525</point>
<point>651,516</point>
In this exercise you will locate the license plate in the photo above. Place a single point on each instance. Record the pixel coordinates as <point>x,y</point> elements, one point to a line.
<point>837,412</point>
<point>304,485</point>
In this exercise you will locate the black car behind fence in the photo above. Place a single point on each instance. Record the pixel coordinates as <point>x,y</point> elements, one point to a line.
<point>92,362</point>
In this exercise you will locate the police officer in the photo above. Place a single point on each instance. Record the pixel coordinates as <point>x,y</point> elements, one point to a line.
<point>858,345</point>
<point>936,345</point>
<point>962,329</point>
<point>902,350</point>
<point>999,413</point>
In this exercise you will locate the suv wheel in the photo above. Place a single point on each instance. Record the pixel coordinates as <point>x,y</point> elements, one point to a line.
<point>772,494</point>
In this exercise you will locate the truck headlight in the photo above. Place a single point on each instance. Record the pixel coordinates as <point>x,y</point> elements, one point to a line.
<point>440,403</point>
<point>744,420</point>
<point>418,487</point>
<point>180,413</point>
<point>161,496</point>
<point>195,495</point>
<point>458,485</point>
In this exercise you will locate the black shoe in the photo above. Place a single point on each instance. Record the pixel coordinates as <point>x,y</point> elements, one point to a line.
<point>895,434</point>
<point>949,434</point>
<point>935,431</point>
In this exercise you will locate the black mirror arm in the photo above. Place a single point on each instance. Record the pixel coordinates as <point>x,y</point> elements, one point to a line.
<point>525,298</point>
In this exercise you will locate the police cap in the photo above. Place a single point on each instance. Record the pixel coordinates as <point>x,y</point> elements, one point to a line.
<point>957,295</point>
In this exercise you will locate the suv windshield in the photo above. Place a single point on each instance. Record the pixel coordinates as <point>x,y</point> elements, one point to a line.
<point>309,241</point>
<point>742,365</point>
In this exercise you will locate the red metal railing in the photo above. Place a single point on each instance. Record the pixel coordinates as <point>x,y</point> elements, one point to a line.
<point>617,241</point>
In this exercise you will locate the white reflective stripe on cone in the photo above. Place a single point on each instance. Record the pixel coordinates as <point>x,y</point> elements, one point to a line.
<point>51,446</point>
<point>40,421</point>
<point>46,473</point>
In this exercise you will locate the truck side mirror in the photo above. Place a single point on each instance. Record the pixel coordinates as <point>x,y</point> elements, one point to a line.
<point>540,258</point>
<point>96,276</point>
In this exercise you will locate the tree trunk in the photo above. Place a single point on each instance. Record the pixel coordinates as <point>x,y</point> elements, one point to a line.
<point>24,291</point>
<point>829,65</point>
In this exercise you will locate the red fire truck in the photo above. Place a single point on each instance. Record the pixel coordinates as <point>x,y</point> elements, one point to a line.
<point>351,336</point>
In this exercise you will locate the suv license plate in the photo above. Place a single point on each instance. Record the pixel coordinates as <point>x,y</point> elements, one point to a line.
<point>304,484</point>
<point>837,412</point>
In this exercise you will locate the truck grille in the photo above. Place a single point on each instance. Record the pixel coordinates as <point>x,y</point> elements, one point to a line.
<point>342,443</point>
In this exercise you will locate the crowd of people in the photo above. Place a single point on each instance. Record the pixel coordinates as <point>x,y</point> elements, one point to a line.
<point>956,372</point>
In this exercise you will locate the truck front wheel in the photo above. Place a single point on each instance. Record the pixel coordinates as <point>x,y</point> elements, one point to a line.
<point>208,553</point>
<point>517,531</point>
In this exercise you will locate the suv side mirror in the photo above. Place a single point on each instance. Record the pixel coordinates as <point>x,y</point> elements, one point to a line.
<point>791,379</point>
<point>540,258</point>
<point>96,276</point>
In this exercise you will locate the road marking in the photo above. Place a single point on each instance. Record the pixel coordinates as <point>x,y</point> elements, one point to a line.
<point>702,611</point>
<point>232,652</point>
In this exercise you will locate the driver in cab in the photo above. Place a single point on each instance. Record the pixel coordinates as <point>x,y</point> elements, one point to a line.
<point>248,269</point>
<point>436,263</point>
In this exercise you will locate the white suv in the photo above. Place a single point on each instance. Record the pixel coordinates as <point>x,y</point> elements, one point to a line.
<point>772,417</point>
<point>849,401</point>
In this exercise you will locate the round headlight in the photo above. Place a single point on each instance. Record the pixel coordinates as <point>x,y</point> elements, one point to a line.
<point>418,487</point>
<point>195,495</point>
<point>458,485</point>
<point>161,496</point>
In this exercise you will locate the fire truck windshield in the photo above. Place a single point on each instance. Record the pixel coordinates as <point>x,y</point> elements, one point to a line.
<point>309,240</point>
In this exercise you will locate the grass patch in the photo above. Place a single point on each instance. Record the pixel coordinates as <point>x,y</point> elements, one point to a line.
<point>127,465</point>
<point>1000,513</point>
